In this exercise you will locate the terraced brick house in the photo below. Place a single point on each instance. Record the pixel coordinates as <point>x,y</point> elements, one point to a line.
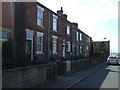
<point>81,41</point>
<point>43,33</point>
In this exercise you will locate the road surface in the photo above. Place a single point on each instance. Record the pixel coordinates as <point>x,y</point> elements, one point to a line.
<point>105,77</point>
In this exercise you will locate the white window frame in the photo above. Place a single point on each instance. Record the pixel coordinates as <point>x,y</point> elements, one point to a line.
<point>54,42</point>
<point>80,49</point>
<point>68,46</point>
<point>80,36</point>
<point>76,36</point>
<point>68,29</point>
<point>39,18</point>
<point>40,34</point>
<point>6,34</point>
<point>55,22</point>
<point>87,47</point>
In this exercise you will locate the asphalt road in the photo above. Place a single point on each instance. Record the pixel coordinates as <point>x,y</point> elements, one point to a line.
<point>105,77</point>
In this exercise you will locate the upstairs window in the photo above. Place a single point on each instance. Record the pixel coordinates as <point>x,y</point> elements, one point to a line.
<point>80,36</point>
<point>55,23</point>
<point>68,29</point>
<point>87,47</point>
<point>76,36</point>
<point>40,12</point>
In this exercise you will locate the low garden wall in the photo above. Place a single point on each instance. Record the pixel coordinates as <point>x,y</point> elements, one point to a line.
<point>35,75</point>
<point>65,67</point>
<point>29,76</point>
<point>71,66</point>
<point>80,64</point>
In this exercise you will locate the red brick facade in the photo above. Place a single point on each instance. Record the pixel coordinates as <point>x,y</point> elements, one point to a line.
<point>31,24</point>
<point>32,28</point>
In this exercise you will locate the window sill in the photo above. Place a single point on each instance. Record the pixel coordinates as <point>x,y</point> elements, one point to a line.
<point>55,31</point>
<point>39,52</point>
<point>40,26</point>
<point>55,53</point>
<point>68,34</point>
<point>68,51</point>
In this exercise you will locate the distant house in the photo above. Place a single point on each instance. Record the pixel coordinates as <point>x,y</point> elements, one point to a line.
<point>102,47</point>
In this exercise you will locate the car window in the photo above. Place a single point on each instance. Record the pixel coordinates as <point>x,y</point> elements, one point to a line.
<point>112,57</point>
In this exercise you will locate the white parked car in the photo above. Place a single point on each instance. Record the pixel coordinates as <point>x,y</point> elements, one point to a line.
<point>112,60</point>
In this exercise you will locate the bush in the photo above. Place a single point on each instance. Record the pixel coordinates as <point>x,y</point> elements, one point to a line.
<point>81,56</point>
<point>51,59</point>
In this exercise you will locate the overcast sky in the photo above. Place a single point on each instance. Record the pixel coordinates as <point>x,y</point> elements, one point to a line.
<point>97,18</point>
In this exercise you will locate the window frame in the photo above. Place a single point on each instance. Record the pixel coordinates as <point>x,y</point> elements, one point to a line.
<point>56,44</point>
<point>68,29</point>
<point>68,46</point>
<point>40,34</point>
<point>55,22</point>
<point>39,19</point>
<point>80,49</point>
<point>77,36</point>
<point>5,36</point>
<point>80,36</point>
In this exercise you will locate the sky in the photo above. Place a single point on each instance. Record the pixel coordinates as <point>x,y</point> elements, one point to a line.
<point>97,18</point>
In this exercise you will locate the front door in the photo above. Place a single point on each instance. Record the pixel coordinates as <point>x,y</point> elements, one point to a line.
<point>63,48</point>
<point>28,48</point>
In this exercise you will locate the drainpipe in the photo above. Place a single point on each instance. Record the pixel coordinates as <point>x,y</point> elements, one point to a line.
<point>48,35</point>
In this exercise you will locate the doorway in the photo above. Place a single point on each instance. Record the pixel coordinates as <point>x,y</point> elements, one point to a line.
<point>28,48</point>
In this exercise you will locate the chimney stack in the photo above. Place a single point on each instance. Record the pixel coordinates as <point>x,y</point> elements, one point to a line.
<point>60,12</point>
<point>75,24</point>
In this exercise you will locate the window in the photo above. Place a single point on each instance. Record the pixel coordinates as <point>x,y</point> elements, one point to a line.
<point>80,49</point>
<point>68,29</point>
<point>29,35</point>
<point>39,42</point>
<point>5,36</point>
<point>80,36</point>
<point>87,47</point>
<point>54,44</point>
<point>83,49</point>
<point>54,23</point>
<point>88,39</point>
<point>40,16</point>
<point>68,46</point>
<point>77,36</point>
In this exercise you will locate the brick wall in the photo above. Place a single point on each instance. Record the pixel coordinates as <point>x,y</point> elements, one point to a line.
<point>80,64</point>
<point>24,77</point>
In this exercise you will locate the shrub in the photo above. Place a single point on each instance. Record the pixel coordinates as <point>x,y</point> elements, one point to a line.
<point>81,56</point>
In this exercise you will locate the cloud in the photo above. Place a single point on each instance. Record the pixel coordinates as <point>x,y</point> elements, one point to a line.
<point>90,15</point>
<point>95,12</point>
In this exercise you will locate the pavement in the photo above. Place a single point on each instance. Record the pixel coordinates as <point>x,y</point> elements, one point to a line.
<point>68,81</point>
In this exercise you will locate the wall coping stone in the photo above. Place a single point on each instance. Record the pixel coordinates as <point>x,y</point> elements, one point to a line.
<point>20,68</point>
